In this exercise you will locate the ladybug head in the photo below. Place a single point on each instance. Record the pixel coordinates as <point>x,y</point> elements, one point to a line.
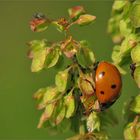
<point>104,106</point>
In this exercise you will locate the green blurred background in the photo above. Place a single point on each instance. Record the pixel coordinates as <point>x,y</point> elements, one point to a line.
<point>18,116</point>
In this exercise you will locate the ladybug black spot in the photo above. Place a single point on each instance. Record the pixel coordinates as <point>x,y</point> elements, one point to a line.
<point>102,92</point>
<point>113,86</point>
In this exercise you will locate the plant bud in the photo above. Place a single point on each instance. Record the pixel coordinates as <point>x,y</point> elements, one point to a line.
<point>85,19</point>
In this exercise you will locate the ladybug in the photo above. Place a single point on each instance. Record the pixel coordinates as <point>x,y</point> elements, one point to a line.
<point>108,84</point>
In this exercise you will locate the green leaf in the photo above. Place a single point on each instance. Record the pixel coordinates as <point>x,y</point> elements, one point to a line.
<point>38,54</point>
<point>70,104</point>
<point>61,80</point>
<point>125,27</point>
<point>137,75</point>
<point>85,56</point>
<point>85,19</point>
<point>59,113</point>
<point>93,122</point>
<point>75,12</point>
<point>128,133</point>
<point>118,5</point>
<point>46,114</point>
<point>121,70</point>
<point>128,44</point>
<point>135,104</point>
<point>135,15</point>
<point>135,54</point>
<point>50,94</point>
<point>36,45</point>
<point>64,126</point>
<point>52,57</point>
<point>38,60</point>
<point>116,55</point>
<point>132,132</point>
<point>39,93</point>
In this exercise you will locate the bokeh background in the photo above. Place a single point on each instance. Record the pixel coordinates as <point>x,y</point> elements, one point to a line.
<point>18,116</point>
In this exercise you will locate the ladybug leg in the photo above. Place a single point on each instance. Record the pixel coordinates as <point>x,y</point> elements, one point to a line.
<point>132,68</point>
<point>95,65</point>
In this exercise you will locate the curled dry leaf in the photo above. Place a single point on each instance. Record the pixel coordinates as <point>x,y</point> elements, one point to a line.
<point>93,122</point>
<point>69,47</point>
<point>39,24</point>
<point>75,12</point>
<point>46,114</point>
<point>86,84</point>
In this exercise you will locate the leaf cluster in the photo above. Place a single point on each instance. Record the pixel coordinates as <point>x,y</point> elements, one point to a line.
<point>124,26</point>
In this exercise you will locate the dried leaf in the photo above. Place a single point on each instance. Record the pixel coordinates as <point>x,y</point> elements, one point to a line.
<point>86,84</point>
<point>70,50</point>
<point>46,114</point>
<point>75,12</point>
<point>39,93</point>
<point>93,122</point>
<point>39,24</point>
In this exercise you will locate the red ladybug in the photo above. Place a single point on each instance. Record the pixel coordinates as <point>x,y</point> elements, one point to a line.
<point>108,84</point>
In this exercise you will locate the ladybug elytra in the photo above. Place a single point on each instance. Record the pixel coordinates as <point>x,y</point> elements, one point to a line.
<point>108,84</point>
